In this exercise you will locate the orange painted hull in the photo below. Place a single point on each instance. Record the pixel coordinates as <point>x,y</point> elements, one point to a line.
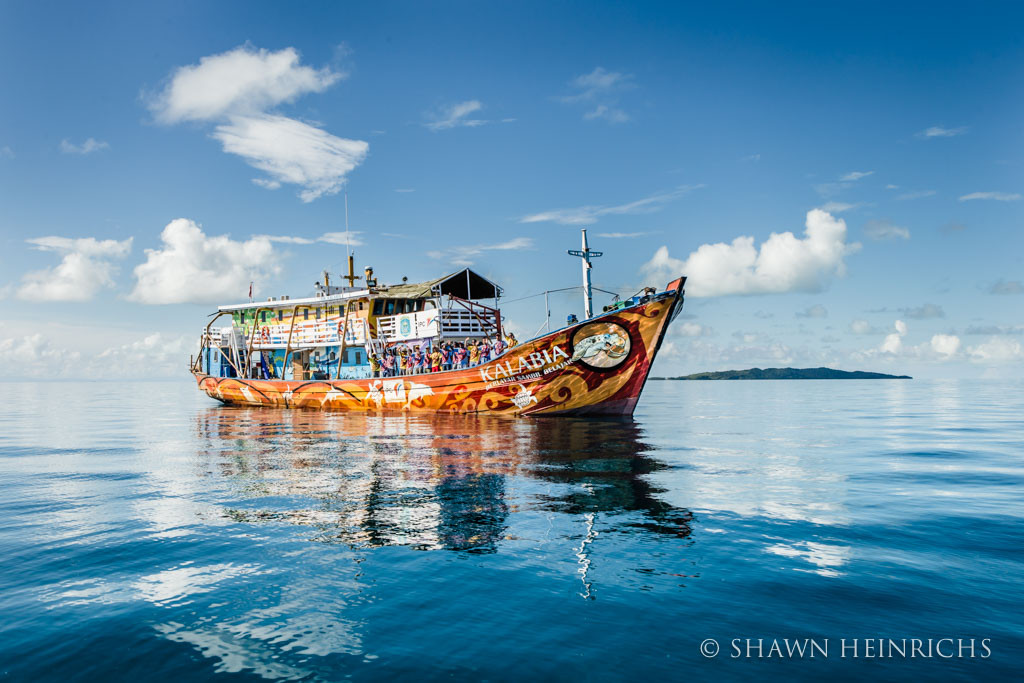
<point>597,367</point>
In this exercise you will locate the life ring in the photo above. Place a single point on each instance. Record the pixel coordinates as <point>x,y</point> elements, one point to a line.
<point>341,329</point>
<point>265,335</point>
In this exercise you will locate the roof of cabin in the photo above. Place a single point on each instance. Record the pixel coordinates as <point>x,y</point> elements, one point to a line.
<point>465,284</point>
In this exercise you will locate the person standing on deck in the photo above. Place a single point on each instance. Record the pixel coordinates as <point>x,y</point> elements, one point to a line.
<point>435,360</point>
<point>474,355</point>
<point>499,347</point>
<point>446,357</point>
<point>460,356</point>
<point>485,350</point>
<point>374,365</point>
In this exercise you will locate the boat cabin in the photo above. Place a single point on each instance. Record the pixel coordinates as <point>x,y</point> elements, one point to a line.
<point>332,334</point>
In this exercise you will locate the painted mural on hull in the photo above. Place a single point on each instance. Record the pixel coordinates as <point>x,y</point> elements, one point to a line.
<point>597,367</point>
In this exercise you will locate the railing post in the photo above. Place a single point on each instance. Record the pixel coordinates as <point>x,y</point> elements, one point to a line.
<point>288,346</point>
<point>344,338</point>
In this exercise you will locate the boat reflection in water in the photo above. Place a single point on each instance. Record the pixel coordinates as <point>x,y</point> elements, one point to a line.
<point>430,481</point>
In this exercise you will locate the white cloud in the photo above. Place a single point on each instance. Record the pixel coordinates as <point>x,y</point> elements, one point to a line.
<point>884,230</point>
<point>941,347</point>
<point>158,354</point>
<point>893,343</point>
<point>994,329</point>
<point>404,190</point>
<point>916,195</point>
<point>46,354</point>
<point>351,238</point>
<point>192,267</point>
<point>924,312</point>
<point>285,239</point>
<point>945,344</point>
<point>88,147</point>
<point>1007,287</point>
<point>598,83</point>
<point>454,116</point>
<point>692,329</point>
<point>815,311</point>
<point>237,89</point>
<point>862,327</point>
<point>609,114</point>
<point>995,196</point>
<point>997,350</point>
<point>86,266</point>
<point>463,255</point>
<point>600,89</point>
<point>243,80</point>
<point>838,207</point>
<point>584,215</point>
<point>622,235</point>
<point>36,356</point>
<point>855,175</point>
<point>941,132</point>
<point>783,263</point>
<point>292,152</point>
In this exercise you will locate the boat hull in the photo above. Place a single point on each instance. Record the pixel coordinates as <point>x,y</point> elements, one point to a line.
<point>598,367</point>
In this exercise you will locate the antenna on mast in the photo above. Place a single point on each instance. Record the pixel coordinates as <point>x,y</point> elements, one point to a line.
<point>348,246</point>
<point>586,254</point>
<point>351,277</point>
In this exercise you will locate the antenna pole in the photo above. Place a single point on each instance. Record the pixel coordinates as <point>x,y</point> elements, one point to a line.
<point>586,254</point>
<point>348,246</point>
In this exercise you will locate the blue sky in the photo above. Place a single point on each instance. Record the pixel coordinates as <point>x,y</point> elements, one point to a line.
<point>486,134</point>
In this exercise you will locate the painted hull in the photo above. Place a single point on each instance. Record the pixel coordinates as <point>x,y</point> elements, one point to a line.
<point>598,367</point>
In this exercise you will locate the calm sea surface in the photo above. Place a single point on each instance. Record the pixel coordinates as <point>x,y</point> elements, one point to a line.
<point>148,533</point>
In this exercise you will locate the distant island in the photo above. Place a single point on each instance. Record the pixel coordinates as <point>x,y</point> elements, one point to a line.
<point>789,373</point>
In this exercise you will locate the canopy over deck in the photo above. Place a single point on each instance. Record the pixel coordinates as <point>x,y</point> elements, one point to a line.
<point>464,284</point>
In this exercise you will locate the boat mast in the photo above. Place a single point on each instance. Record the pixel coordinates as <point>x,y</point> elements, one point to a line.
<point>586,254</point>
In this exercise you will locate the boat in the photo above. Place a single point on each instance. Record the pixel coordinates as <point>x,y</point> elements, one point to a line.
<point>322,352</point>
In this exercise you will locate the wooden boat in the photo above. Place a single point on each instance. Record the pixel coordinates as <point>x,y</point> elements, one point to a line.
<point>597,366</point>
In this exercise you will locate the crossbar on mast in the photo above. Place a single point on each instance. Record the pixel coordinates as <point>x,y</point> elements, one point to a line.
<point>586,254</point>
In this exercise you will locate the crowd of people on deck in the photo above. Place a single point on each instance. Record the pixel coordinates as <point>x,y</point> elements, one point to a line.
<point>405,359</point>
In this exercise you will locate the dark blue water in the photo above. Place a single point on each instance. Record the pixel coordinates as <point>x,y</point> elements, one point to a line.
<point>147,533</point>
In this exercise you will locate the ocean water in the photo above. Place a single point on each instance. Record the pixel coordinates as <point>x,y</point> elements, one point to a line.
<point>148,533</point>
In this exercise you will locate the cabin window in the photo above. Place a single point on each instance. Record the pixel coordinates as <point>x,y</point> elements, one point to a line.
<point>359,357</point>
<point>389,307</point>
<point>280,315</point>
<point>263,316</point>
<point>305,314</point>
<point>318,313</point>
<point>360,305</point>
<point>378,306</point>
<point>333,356</point>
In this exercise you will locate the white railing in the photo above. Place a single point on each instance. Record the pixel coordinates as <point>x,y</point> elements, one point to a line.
<point>304,334</point>
<point>226,336</point>
<point>454,323</point>
<point>459,322</point>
